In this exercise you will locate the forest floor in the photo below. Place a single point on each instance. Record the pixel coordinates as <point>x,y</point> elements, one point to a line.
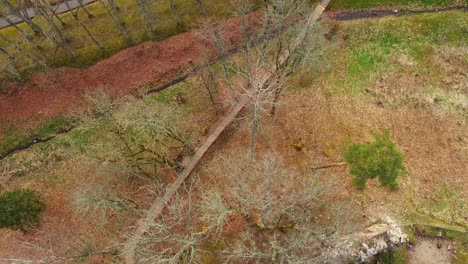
<point>406,74</point>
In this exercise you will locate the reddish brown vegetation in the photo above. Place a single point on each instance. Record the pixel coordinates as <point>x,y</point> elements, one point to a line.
<point>59,91</point>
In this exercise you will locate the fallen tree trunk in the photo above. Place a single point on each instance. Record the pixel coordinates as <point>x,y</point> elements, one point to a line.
<point>158,206</point>
<point>330,166</point>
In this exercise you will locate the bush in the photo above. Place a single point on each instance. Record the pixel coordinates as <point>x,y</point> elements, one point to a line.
<point>380,158</point>
<point>20,209</point>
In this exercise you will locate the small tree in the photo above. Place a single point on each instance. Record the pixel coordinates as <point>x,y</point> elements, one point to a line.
<point>20,209</point>
<point>143,136</point>
<point>380,158</point>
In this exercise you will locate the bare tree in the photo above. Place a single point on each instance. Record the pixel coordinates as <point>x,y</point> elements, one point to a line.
<point>279,207</point>
<point>61,41</point>
<point>141,137</point>
<point>260,93</point>
<point>106,204</point>
<point>177,17</point>
<point>23,15</point>
<point>85,9</point>
<point>175,238</point>
<point>147,17</point>
<point>266,69</point>
<point>201,6</point>
<point>218,38</point>
<point>23,33</point>
<point>54,13</point>
<point>11,62</point>
<point>210,82</point>
<point>77,18</point>
<point>41,61</point>
<point>113,11</point>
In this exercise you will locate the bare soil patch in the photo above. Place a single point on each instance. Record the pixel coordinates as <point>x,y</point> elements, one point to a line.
<point>431,251</point>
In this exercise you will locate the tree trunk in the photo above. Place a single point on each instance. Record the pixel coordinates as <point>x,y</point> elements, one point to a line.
<point>201,6</point>
<point>275,101</point>
<point>77,18</point>
<point>146,17</point>
<point>174,12</point>
<point>6,53</point>
<point>330,166</point>
<point>27,53</point>
<point>35,28</point>
<point>25,34</point>
<point>54,13</point>
<point>10,72</point>
<point>84,9</point>
<point>255,121</point>
<point>114,6</point>
<point>11,60</point>
<point>63,40</point>
<point>209,82</point>
<point>112,10</point>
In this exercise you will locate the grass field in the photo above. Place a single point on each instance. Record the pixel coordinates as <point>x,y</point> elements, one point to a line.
<point>12,138</point>
<point>358,4</point>
<point>417,46</point>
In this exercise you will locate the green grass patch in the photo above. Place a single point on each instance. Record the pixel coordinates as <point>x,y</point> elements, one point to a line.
<point>20,209</point>
<point>396,256</point>
<point>169,95</point>
<point>79,138</point>
<point>360,4</point>
<point>82,137</point>
<point>371,48</point>
<point>13,139</point>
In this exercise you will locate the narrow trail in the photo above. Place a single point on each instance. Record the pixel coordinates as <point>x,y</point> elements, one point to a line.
<point>56,9</point>
<point>50,93</point>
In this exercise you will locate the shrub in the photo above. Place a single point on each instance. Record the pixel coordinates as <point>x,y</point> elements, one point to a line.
<point>379,158</point>
<point>20,209</point>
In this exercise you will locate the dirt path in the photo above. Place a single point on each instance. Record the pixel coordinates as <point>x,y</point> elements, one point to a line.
<point>431,251</point>
<point>57,9</point>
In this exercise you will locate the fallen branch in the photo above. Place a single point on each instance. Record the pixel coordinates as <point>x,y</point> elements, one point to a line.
<point>330,166</point>
<point>97,253</point>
